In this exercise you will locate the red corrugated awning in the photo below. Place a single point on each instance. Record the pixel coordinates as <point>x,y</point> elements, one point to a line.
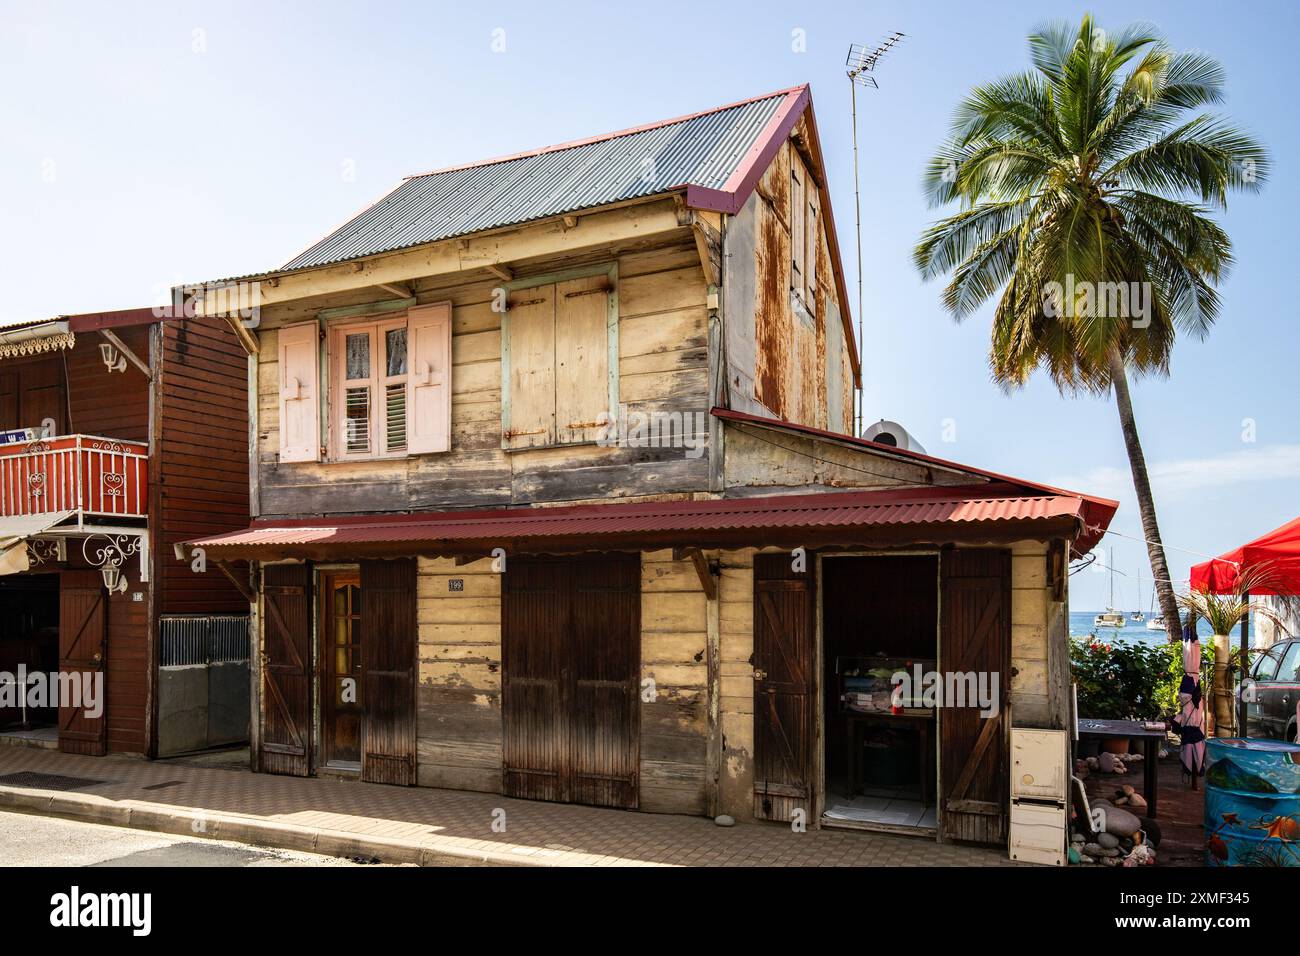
<point>972,513</point>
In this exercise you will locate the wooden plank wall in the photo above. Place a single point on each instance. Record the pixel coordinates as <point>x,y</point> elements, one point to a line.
<point>736,626</point>
<point>1039,642</point>
<point>458,721</point>
<point>674,725</point>
<point>126,669</point>
<point>201,463</point>
<point>103,403</point>
<point>663,364</point>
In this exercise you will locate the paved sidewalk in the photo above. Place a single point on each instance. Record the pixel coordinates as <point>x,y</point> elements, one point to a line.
<point>431,827</point>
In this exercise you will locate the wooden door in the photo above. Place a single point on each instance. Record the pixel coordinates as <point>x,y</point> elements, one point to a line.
<point>285,745</point>
<point>784,656</point>
<point>389,648</point>
<point>570,677</point>
<point>603,664</point>
<point>341,693</point>
<point>82,616</point>
<point>975,636</point>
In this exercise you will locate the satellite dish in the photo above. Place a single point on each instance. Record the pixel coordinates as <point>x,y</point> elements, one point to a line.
<point>893,434</point>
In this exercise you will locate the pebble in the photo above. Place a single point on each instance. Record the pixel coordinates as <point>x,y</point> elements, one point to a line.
<point>1094,849</point>
<point>1108,840</point>
<point>1121,823</point>
<point>724,821</point>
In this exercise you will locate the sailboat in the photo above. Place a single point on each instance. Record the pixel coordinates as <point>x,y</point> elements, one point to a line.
<point>1111,617</point>
<point>1157,622</point>
<point>1137,617</point>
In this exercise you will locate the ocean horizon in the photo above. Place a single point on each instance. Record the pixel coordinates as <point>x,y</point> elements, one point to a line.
<point>1081,626</point>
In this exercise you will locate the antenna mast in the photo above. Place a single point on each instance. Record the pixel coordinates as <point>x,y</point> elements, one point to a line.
<point>860,65</point>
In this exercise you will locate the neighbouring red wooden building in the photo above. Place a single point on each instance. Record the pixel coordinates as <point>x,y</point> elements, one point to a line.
<point>123,432</point>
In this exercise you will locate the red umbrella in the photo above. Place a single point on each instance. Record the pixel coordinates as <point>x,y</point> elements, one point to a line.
<point>1279,549</point>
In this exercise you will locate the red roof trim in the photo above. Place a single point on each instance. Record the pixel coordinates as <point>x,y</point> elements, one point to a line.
<point>1099,511</point>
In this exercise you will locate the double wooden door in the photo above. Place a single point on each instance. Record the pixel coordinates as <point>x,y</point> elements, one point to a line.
<point>570,659</point>
<point>364,670</point>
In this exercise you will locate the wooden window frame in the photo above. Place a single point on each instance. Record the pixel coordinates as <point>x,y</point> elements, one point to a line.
<point>378,382</point>
<point>608,269</point>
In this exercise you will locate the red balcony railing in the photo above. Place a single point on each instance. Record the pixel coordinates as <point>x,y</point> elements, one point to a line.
<point>96,477</point>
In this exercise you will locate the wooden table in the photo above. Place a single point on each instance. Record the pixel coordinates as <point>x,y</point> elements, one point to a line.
<point>857,720</point>
<point>1151,741</point>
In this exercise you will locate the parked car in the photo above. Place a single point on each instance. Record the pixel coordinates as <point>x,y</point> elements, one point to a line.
<point>1272,692</point>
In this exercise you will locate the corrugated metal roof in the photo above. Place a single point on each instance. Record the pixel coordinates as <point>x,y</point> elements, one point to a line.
<point>1097,511</point>
<point>703,150</point>
<point>614,524</point>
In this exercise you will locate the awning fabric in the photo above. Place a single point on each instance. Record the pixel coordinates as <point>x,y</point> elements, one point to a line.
<point>989,511</point>
<point>1280,549</point>
<point>14,533</point>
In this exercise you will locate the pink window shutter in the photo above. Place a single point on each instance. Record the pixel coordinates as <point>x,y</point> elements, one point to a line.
<point>300,392</point>
<point>428,407</point>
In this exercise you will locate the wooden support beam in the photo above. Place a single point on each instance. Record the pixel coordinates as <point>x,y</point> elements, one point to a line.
<point>703,569</point>
<point>131,357</point>
<point>504,273</point>
<point>399,289</point>
<point>246,338</point>
<point>708,243</point>
<point>243,587</point>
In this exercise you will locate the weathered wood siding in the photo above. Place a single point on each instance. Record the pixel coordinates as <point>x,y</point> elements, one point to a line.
<point>458,722</point>
<point>674,724</point>
<point>783,359</point>
<point>1040,682</point>
<point>201,464</point>
<point>459,729</point>
<point>663,366</point>
<point>762,461</point>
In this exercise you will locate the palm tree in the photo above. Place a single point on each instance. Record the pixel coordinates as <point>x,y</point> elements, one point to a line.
<point>1087,189</point>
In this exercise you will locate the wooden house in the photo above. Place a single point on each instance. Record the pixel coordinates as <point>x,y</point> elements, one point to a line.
<point>554,495</point>
<point>122,433</point>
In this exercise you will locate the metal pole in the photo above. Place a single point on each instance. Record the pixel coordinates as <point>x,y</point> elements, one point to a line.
<point>1242,729</point>
<point>857,202</point>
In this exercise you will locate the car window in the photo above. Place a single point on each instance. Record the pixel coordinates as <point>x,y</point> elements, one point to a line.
<point>1290,669</point>
<point>1267,666</point>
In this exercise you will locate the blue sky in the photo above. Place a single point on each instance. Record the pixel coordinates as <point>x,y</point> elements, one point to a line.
<point>147,144</point>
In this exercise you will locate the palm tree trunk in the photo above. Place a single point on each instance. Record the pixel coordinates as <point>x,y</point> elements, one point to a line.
<point>1146,503</point>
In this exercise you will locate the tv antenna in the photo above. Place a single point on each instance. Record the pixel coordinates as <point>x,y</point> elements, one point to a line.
<point>860,66</point>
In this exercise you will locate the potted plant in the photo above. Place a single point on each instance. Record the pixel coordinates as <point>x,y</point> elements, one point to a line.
<point>1224,612</point>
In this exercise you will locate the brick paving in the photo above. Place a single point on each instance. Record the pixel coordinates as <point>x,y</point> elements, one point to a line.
<point>455,823</point>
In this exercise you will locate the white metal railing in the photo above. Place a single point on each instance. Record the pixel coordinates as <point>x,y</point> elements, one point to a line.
<point>85,474</point>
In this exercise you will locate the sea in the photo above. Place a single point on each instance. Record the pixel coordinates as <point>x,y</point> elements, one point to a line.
<point>1081,626</point>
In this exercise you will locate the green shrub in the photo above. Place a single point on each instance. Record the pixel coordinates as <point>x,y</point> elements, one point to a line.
<point>1126,681</point>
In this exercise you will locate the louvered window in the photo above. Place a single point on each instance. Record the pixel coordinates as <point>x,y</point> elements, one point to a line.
<point>371,402</point>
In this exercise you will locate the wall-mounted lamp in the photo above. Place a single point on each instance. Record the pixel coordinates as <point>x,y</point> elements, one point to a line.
<point>114,580</point>
<point>115,361</point>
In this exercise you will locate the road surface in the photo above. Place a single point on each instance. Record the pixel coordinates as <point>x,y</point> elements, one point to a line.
<point>30,840</point>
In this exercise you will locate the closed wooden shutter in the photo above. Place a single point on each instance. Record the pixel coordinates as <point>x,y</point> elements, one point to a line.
<point>783,688</point>
<point>82,615</point>
<point>530,418</point>
<point>388,642</point>
<point>975,636</point>
<point>285,745</point>
<point>299,354</point>
<point>581,358</point>
<point>429,380</point>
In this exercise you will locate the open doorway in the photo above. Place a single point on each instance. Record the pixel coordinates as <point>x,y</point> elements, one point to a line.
<point>880,615</point>
<point>29,644</point>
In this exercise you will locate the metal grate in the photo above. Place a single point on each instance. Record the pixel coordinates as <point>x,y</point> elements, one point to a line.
<point>202,639</point>
<point>47,781</point>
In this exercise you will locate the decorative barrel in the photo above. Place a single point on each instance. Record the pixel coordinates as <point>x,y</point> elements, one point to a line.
<point>1252,803</point>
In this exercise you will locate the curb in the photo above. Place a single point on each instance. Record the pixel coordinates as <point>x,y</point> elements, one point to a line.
<point>255,831</point>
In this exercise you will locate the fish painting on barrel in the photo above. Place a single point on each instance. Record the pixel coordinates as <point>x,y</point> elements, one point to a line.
<point>1252,803</point>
